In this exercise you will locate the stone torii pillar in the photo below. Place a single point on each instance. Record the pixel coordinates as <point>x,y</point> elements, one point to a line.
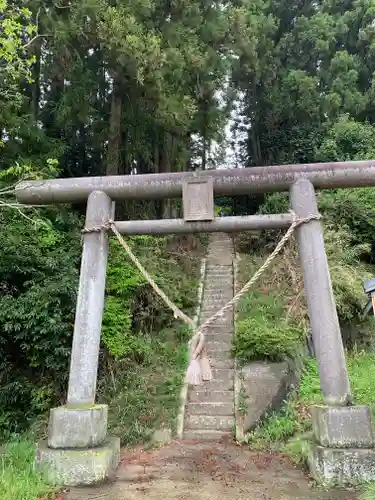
<point>78,450</point>
<point>343,432</point>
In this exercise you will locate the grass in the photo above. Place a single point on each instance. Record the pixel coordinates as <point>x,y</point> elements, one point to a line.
<point>18,478</point>
<point>145,397</point>
<point>368,493</point>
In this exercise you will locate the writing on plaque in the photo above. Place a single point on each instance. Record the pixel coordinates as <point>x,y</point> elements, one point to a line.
<point>198,199</point>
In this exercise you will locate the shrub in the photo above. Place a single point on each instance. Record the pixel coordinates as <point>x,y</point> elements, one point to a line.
<point>38,280</point>
<point>263,333</point>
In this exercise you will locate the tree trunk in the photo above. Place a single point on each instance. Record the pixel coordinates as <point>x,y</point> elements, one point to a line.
<point>35,89</point>
<point>165,167</point>
<point>114,138</point>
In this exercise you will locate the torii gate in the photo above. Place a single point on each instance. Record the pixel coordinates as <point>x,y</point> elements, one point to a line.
<point>78,450</point>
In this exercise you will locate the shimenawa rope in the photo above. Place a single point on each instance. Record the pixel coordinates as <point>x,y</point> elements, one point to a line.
<point>199,368</point>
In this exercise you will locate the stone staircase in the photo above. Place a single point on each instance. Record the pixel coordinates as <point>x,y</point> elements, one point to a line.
<point>209,412</point>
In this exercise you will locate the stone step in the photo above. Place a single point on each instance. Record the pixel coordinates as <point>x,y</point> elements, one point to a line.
<point>213,308</point>
<point>218,348</point>
<point>216,362</point>
<point>227,323</point>
<point>207,435</point>
<point>212,409</point>
<point>210,301</point>
<point>219,277</point>
<point>219,422</point>
<point>224,275</point>
<point>218,354</point>
<point>227,318</point>
<point>223,374</point>
<point>223,252</point>
<point>210,298</point>
<point>218,252</point>
<point>209,414</point>
<point>217,297</point>
<point>213,333</point>
<point>218,337</point>
<point>220,273</point>
<point>219,321</point>
<point>215,385</point>
<point>220,285</point>
<point>214,266</point>
<point>208,396</point>
<point>214,328</point>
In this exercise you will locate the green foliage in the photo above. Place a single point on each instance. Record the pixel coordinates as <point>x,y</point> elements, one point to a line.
<point>144,397</point>
<point>132,309</point>
<point>263,333</point>
<point>359,366</point>
<point>38,279</point>
<point>116,329</point>
<point>302,68</point>
<point>347,139</point>
<point>277,429</point>
<point>368,493</point>
<point>19,479</point>
<point>349,238</point>
<point>15,28</point>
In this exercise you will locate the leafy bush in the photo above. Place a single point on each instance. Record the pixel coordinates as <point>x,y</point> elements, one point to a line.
<point>260,338</point>
<point>262,332</point>
<point>133,309</point>
<point>38,280</point>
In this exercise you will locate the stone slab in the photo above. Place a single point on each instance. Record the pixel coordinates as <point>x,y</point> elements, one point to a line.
<point>78,427</point>
<point>162,436</point>
<point>341,467</point>
<point>212,408</point>
<point>217,384</point>
<point>216,422</point>
<point>210,396</point>
<point>266,386</point>
<point>207,435</point>
<point>220,362</point>
<point>343,427</point>
<point>75,467</point>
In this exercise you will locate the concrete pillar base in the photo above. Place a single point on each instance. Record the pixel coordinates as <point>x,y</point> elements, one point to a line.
<point>77,427</point>
<point>342,466</point>
<point>79,467</point>
<point>342,426</point>
<point>343,452</point>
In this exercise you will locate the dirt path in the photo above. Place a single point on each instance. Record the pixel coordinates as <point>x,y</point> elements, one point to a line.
<point>196,471</point>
